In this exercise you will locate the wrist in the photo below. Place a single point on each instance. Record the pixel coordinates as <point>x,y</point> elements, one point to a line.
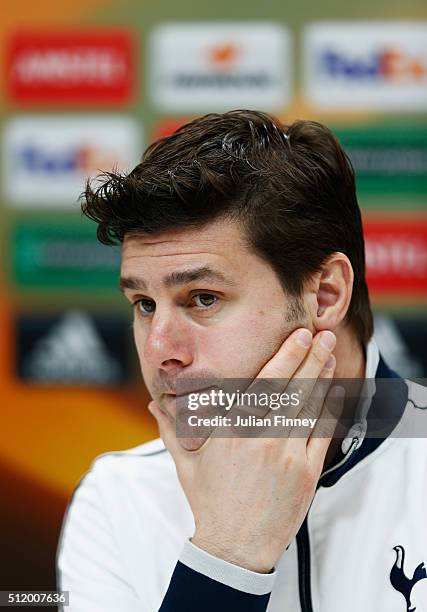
<point>233,553</point>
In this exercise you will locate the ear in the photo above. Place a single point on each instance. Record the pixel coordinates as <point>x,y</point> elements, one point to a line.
<point>330,291</point>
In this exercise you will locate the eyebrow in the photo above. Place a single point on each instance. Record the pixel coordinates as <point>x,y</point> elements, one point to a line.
<point>178,278</point>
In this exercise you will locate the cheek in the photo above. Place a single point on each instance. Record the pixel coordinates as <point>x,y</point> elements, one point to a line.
<point>137,336</point>
<point>147,372</point>
<point>139,339</point>
<point>243,345</point>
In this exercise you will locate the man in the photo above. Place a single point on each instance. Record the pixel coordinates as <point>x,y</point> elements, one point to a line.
<point>243,257</point>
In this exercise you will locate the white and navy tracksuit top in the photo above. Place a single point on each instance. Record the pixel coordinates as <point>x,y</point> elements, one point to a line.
<point>125,546</point>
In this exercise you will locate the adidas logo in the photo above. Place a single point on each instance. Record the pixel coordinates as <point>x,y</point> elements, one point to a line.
<point>72,352</point>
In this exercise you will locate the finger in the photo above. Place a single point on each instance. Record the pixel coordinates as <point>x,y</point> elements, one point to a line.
<point>311,408</point>
<point>275,375</point>
<point>167,430</point>
<point>321,349</point>
<point>297,422</point>
<point>310,392</point>
<point>289,356</point>
<point>322,435</point>
<point>319,358</point>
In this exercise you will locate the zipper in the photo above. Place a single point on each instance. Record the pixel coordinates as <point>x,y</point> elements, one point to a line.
<point>302,538</point>
<point>303,544</point>
<point>355,443</point>
<point>304,578</point>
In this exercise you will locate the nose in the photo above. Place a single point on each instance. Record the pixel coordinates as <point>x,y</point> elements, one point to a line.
<point>168,343</point>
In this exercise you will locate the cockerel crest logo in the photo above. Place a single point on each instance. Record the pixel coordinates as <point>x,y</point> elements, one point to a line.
<point>401,582</point>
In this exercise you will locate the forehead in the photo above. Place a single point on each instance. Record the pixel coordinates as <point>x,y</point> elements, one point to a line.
<point>222,241</point>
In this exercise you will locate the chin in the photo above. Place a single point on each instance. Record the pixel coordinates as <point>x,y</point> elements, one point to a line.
<point>191,444</point>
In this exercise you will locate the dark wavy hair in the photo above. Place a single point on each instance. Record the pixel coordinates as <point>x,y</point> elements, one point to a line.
<point>292,187</point>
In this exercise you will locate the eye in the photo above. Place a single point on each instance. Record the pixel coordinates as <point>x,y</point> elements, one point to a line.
<point>145,306</point>
<point>204,300</point>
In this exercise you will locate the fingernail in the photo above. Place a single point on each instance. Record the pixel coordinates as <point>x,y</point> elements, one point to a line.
<point>337,392</point>
<point>304,337</point>
<point>330,363</point>
<point>328,340</point>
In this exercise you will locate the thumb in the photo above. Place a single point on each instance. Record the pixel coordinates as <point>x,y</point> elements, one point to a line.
<point>167,430</point>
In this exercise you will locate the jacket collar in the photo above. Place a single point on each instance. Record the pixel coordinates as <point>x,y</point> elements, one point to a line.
<point>386,405</point>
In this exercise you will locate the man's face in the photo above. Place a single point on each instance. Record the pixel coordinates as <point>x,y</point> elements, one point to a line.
<point>204,306</point>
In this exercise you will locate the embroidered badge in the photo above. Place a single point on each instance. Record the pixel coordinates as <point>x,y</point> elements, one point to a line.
<point>400,581</point>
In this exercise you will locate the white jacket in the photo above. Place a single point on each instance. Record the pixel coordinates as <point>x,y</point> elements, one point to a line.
<point>129,523</point>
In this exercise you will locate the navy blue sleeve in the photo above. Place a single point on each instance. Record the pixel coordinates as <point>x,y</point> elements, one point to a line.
<point>190,591</point>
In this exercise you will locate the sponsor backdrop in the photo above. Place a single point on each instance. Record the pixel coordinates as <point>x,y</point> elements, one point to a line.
<point>85,87</point>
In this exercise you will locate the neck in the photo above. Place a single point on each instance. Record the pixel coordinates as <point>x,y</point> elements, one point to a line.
<point>351,363</point>
<point>350,356</point>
